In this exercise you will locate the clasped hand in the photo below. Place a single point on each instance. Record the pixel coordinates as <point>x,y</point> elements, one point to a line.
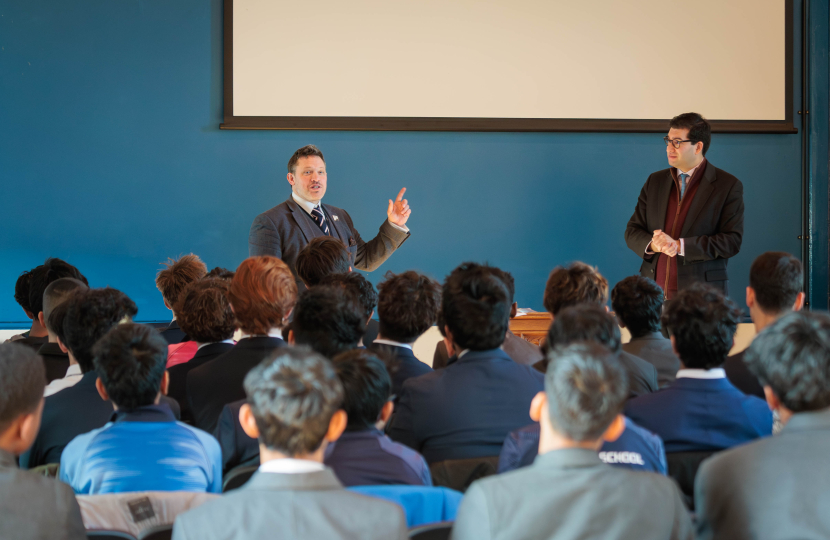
<point>663,243</point>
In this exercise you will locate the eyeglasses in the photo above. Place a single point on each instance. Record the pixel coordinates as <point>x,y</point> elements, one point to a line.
<point>675,142</point>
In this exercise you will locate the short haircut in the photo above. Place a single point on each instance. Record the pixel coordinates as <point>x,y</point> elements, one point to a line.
<point>203,311</point>
<point>699,128</point>
<point>356,285</point>
<point>367,386</point>
<point>586,387</point>
<point>51,270</point>
<point>305,151</point>
<point>408,305</point>
<point>584,322</point>
<point>55,321</point>
<point>475,307</point>
<point>329,320</point>
<point>56,293</point>
<point>638,302</point>
<point>22,380</point>
<point>703,323</point>
<point>130,360</point>
<point>777,278</point>
<point>220,273</point>
<point>21,291</point>
<point>792,356</point>
<point>89,315</point>
<point>177,275</point>
<point>293,395</point>
<point>574,284</point>
<point>321,257</point>
<point>263,293</point>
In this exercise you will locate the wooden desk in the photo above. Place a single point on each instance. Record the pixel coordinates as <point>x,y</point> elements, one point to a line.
<point>532,327</point>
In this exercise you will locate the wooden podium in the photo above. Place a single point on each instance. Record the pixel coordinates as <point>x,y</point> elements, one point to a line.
<point>532,327</point>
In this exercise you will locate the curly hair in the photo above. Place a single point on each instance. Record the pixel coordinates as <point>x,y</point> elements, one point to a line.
<point>356,285</point>
<point>177,275</point>
<point>321,257</point>
<point>475,307</point>
<point>638,302</point>
<point>574,284</point>
<point>777,278</point>
<point>203,311</point>
<point>408,304</point>
<point>263,293</point>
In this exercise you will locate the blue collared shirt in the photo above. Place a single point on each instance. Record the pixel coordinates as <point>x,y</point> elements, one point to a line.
<point>144,449</point>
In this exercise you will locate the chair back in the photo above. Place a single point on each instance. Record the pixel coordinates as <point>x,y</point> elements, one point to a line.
<point>433,531</point>
<point>162,532</point>
<point>683,468</point>
<point>458,474</point>
<point>108,535</point>
<point>238,476</point>
<point>421,504</point>
<point>50,470</point>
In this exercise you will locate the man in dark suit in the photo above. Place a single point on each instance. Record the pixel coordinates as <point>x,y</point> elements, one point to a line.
<point>286,228</point>
<point>33,507</point>
<point>55,358</point>
<point>776,280</point>
<point>689,218</point>
<point>638,304</point>
<point>701,411</point>
<point>262,295</point>
<point>171,281</point>
<point>777,487</point>
<point>568,492</point>
<point>467,409</point>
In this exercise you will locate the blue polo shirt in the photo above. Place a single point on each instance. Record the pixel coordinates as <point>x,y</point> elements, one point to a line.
<point>144,449</point>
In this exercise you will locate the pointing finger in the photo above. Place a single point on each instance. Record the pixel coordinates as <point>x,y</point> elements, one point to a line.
<point>400,195</point>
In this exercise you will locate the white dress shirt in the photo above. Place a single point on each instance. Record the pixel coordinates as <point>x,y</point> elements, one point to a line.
<point>393,343</point>
<point>714,373</point>
<point>73,375</point>
<point>308,206</point>
<point>274,332</point>
<point>291,466</point>
<point>223,341</point>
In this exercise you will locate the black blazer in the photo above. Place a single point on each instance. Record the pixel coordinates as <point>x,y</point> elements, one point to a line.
<point>237,447</point>
<point>173,334</point>
<point>642,376</point>
<point>657,351</point>
<point>404,364</point>
<point>55,360</point>
<point>219,382</point>
<point>712,231</point>
<point>177,386</point>
<point>740,376</point>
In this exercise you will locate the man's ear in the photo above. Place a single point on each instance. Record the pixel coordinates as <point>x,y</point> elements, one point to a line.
<point>337,425</point>
<point>29,314</point>
<point>167,304</point>
<point>165,383</point>
<point>615,430</point>
<point>699,147</point>
<point>386,411</point>
<point>350,269</point>
<point>290,178</point>
<point>798,305</point>
<point>750,297</point>
<point>248,422</point>
<point>619,321</point>
<point>538,406</point>
<point>370,316</point>
<point>41,319</point>
<point>674,346</point>
<point>291,337</point>
<point>99,385</point>
<point>64,348</point>
<point>772,400</point>
<point>514,309</point>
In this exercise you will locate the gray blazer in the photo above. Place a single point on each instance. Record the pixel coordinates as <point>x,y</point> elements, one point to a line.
<point>285,229</point>
<point>775,487</point>
<point>292,506</point>
<point>657,351</point>
<point>571,494</point>
<point>33,507</point>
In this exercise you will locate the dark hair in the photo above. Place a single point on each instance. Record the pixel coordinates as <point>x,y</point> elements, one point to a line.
<point>367,386</point>
<point>475,307</point>
<point>777,278</point>
<point>356,285</point>
<point>329,320</point>
<point>306,151</point>
<point>203,311</point>
<point>21,291</point>
<point>586,387</point>
<point>638,302</point>
<point>792,357</point>
<point>56,293</point>
<point>130,360</point>
<point>408,304</point>
<point>699,128</point>
<point>89,315</point>
<point>55,321</point>
<point>51,270</point>
<point>585,322</point>
<point>322,256</point>
<point>220,273</point>
<point>263,293</point>
<point>506,278</point>
<point>575,284</point>
<point>178,274</point>
<point>703,323</point>
<point>22,380</point>
<point>293,395</point>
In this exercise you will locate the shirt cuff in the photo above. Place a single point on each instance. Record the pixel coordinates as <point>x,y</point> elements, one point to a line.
<point>682,251</point>
<point>648,251</point>
<point>404,228</point>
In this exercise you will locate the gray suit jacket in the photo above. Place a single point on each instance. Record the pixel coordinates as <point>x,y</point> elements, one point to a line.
<point>285,229</point>
<point>775,487</point>
<point>570,494</point>
<point>292,506</point>
<point>35,507</point>
<point>657,351</point>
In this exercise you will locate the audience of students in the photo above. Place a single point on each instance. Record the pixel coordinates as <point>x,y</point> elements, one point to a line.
<point>638,303</point>
<point>569,492</point>
<point>54,354</point>
<point>171,281</point>
<point>701,410</point>
<point>293,409</point>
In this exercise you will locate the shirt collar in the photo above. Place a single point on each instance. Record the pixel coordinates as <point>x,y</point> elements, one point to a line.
<point>714,373</point>
<point>223,341</point>
<point>690,172</point>
<point>147,413</point>
<point>274,332</point>
<point>291,466</point>
<point>73,370</point>
<point>392,343</point>
<point>308,206</point>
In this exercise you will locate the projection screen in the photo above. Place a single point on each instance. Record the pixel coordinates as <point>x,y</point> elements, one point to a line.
<point>523,65</point>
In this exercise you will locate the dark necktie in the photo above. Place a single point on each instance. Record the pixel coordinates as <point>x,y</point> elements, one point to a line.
<point>320,219</point>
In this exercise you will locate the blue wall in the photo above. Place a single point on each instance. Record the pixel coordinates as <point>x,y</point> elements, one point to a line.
<point>111,158</point>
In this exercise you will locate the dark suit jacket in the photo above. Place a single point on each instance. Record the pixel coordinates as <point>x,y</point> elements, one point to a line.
<point>776,487</point>
<point>696,415</point>
<point>571,494</point>
<point>237,447</point>
<point>173,334</point>
<point>743,379</point>
<point>642,376</point>
<point>371,332</point>
<point>55,360</point>
<point>35,507</point>
<point>466,409</point>
<point>520,350</point>
<point>657,351</point>
<point>405,365</point>
<point>284,230</point>
<point>219,382</point>
<point>177,387</point>
<point>712,232</point>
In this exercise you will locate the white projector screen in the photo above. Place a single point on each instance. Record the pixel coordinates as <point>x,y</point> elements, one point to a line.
<point>593,65</point>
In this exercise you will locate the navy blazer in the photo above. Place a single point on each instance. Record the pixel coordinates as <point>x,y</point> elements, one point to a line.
<point>467,409</point>
<point>237,447</point>
<point>405,364</point>
<point>696,415</point>
<point>177,385</point>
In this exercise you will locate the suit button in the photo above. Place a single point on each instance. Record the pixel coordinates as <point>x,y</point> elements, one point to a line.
<point>652,270</point>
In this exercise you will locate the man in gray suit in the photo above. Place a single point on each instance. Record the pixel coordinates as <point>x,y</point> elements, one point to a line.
<point>777,487</point>
<point>31,506</point>
<point>286,228</point>
<point>568,492</point>
<point>293,409</point>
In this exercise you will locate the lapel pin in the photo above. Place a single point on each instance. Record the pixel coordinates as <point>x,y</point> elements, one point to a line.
<point>335,218</point>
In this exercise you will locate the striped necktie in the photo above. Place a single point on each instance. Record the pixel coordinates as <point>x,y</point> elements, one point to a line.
<point>320,219</point>
<point>683,178</point>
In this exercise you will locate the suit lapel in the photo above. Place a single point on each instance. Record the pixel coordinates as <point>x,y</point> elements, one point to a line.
<point>339,224</point>
<point>663,193</point>
<point>303,220</point>
<point>707,186</point>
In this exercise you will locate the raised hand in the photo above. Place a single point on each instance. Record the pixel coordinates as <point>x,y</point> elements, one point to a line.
<point>398,211</point>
